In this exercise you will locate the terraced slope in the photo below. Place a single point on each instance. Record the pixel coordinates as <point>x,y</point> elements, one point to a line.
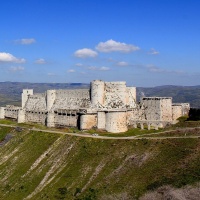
<point>36,165</point>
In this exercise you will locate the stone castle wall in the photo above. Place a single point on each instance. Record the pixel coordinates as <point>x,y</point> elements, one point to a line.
<point>106,105</point>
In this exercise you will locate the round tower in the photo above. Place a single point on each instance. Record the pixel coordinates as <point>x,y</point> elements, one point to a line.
<point>50,98</point>
<point>97,92</point>
<point>116,121</point>
<point>50,120</point>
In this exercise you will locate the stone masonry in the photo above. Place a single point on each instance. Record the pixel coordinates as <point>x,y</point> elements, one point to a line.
<point>109,106</point>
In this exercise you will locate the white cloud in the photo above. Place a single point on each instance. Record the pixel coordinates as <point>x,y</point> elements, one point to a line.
<point>40,61</point>
<point>111,45</point>
<point>153,52</point>
<point>99,68</point>
<point>16,69</point>
<point>156,69</point>
<point>71,71</point>
<point>79,64</point>
<point>26,41</point>
<point>84,53</point>
<point>104,68</point>
<point>7,57</point>
<point>122,64</point>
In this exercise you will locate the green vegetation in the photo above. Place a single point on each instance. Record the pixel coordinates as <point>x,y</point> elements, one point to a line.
<point>55,166</point>
<point>3,132</point>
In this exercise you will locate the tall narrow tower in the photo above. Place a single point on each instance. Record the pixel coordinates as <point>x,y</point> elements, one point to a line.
<point>25,95</point>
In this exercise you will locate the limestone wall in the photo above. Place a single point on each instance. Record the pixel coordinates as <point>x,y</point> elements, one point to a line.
<point>176,111</point>
<point>88,121</point>
<point>25,94</point>
<point>11,111</point>
<point>98,93</point>
<point>166,109</point>
<point>116,122</point>
<point>185,108</point>
<point>21,118</point>
<point>36,103</point>
<point>50,120</point>
<point>157,108</point>
<point>50,98</point>
<point>65,118</point>
<point>101,120</point>
<point>151,108</point>
<point>131,97</point>
<point>37,117</point>
<point>115,94</point>
<point>71,99</point>
<point>2,112</point>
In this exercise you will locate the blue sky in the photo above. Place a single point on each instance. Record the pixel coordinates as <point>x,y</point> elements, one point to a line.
<point>142,42</point>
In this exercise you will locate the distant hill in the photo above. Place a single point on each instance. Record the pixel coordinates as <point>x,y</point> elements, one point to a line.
<point>10,92</point>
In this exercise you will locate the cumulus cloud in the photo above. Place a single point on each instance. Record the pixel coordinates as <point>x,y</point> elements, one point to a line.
<point>122,64</point>
<point>40,61</point>
<point>16,69</point>
<point>153,52</point>
<point>7,57</point>
<point>26,41</point>
<point>99,68</point>
<point>111,46</point>
<point>71,71</point>
<point>85,53</point>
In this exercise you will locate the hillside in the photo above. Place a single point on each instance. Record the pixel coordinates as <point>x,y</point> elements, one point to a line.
<point>37,165</point>
<point>10,92</point>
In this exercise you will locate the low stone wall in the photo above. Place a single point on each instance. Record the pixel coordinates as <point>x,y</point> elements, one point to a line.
<point>36,117</point>
<point>65,120</point>
<point>176,111</point>
<point>11,112</point>
<point>88,121</point>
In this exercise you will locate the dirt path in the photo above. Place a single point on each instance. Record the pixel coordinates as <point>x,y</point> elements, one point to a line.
<point>138,137</point>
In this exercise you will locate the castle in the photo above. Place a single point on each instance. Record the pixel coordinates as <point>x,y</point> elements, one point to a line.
<point>110,106</point>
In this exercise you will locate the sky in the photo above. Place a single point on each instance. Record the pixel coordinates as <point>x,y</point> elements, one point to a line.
<point>143,42</point>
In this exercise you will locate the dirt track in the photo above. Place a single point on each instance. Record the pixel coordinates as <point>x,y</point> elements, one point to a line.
<point>138,137</point>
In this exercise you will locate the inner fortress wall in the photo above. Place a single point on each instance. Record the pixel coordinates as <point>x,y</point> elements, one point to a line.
<point>176,111</point>
<point>36,102</point>
<point>151,108</point>
<point>131,97</point>
<point>74,99</point>
<point>166,108</point>
<point>25,95</point>
<point>115,94</point>
<point>36,117</point>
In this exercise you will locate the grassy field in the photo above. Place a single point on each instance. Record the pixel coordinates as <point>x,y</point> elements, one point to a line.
<point>36,165</point>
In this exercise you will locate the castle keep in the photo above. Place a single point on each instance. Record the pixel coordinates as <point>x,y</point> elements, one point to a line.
<point>110,106</point>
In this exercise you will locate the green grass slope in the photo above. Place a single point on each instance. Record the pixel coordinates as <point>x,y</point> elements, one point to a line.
<point>36,165</point>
